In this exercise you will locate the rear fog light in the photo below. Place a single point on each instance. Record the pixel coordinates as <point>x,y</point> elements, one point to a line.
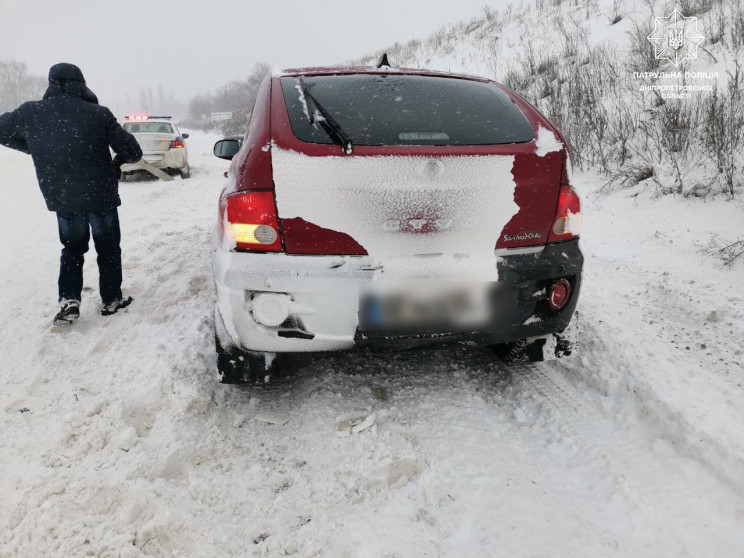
<point>560,292</point>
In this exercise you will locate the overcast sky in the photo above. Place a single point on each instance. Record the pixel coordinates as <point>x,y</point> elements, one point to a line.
<point>192,45</point>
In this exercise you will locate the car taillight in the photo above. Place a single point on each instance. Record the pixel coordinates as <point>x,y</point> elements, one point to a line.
<point>250,219</point>
<point>568,219</point>
<point>559,294</point>
<point>176,143</point>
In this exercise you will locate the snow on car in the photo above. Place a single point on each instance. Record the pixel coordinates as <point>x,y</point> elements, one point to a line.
<point>377,208</point>
<point>162,144</point>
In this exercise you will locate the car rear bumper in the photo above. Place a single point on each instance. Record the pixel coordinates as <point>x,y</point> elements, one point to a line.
<point>171,159</point>
<point>323,297</point>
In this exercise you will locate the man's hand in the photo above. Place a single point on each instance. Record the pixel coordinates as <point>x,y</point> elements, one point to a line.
<point>11,131</point>
<point>117,163</point>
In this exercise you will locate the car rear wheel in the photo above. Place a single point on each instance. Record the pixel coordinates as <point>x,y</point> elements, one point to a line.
<point>513,351</point>
<point>536,349</point>
<point>240,367</point>
<point>185,173</point>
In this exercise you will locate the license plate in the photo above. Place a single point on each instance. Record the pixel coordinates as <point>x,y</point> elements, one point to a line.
<point>152,145</point>
<point>425,307</point>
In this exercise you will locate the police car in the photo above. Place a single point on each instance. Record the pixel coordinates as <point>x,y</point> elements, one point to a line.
<point>162,145</point>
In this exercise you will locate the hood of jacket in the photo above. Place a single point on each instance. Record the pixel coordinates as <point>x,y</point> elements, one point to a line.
<point>67,79</point>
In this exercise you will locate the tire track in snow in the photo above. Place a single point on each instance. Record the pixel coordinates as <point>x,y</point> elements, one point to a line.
<point>673,395</point>
<point>648,470</point>
<point>527,402</point>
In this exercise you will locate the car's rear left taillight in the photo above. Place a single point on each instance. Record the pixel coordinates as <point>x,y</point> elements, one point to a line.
<point>568,220</point>
<point>250,220</point>
<point>176,143</point>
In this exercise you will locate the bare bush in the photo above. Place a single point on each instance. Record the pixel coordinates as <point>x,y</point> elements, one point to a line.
<point>640,57</point>
<point>736,24</point>
<point>723,130</point>
<point>696,7</point>
<point>725,250</point>
<point>628,176</point>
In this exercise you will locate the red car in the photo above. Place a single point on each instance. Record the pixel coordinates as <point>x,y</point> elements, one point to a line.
<point>394,208</point>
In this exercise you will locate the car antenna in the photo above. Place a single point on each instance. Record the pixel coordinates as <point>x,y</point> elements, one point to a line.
<point>383,61</point>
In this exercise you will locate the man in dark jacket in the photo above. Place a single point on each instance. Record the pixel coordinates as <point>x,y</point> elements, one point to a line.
<point>68,136</point>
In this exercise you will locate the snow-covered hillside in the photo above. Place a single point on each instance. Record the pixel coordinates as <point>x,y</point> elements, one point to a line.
<point>590,68</point>
<point>117,440</point>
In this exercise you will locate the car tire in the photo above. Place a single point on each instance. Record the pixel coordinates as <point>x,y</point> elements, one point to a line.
<point>513,352</point>
<point>229,366</point>
<point>240,367</point>
<point>185,173</point>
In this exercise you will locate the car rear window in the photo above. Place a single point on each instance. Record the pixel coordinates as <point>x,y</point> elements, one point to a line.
<point>393,109</point>
<point>148,127</point>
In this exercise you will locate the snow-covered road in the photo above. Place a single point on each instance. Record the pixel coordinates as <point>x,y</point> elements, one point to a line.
<point>117,440</point>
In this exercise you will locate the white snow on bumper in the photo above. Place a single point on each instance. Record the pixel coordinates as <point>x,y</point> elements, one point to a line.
<point>324,291</point>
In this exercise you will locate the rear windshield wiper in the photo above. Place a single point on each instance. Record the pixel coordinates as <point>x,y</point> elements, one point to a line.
<point>327,122</point>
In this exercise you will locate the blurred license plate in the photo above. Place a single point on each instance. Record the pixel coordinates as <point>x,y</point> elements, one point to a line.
<point>152,145</point>
<point>425,307</point>
<point>153,158</point>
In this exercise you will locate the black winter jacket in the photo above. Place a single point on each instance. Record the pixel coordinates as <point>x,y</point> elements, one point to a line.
<point>68,136</point>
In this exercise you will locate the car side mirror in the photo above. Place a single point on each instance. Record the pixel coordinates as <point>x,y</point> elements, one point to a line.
<point>184,136</point>
<point>226,149</point>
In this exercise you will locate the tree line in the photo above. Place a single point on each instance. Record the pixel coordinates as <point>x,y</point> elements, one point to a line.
<point>18,85</point>
<point>236,97</point>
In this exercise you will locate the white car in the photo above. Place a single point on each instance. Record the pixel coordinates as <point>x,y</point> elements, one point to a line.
<point>162,145</point>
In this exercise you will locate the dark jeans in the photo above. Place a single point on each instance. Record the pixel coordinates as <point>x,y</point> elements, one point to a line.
<point>74,233</point>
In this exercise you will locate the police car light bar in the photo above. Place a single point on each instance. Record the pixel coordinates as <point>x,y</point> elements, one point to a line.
<point>145,117</point>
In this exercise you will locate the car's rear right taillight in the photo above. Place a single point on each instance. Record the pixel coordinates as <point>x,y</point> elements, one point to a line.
<point>176,144</point>
<point>568,219</point>
<point>249,218</point>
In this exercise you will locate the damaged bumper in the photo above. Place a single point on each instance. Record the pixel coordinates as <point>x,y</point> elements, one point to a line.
<point>287,303</point>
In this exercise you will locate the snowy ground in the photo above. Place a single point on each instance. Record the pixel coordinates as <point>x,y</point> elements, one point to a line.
<point>117,440</point>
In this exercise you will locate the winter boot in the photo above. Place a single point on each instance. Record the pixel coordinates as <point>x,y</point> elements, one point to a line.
<point>69,311</point>
<point>113,307</point>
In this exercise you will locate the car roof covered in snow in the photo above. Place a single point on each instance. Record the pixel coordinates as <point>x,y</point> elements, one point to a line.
<point>345,70</point>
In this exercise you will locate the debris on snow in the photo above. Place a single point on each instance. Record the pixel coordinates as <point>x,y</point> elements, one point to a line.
<point>380,393</point>
<point>346,426</point>
<point>271,417</point>
<point>396,474</point>
<point>261,538</point>
<point>713,317</point>
<point>126,439</point>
